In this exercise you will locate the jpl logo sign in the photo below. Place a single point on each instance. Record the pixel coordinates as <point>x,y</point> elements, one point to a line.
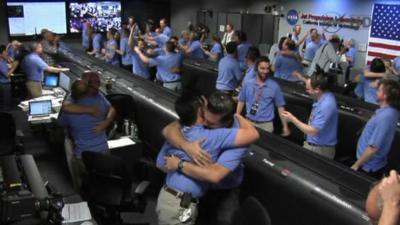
<point>292,17</point>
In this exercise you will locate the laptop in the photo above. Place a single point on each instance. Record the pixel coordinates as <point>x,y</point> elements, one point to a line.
<point>40,109</point>
<point>51,80</point>
<point>65,82</point>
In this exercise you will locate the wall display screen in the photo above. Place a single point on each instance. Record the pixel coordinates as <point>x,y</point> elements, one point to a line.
<point>30,17</point>
<point>102,15</point>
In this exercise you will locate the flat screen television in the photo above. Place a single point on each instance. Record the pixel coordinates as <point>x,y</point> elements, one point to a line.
<point>29,17</point>
<point>102,15</point>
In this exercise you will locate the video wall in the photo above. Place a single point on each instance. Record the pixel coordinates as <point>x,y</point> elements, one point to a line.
<point>29,17</point>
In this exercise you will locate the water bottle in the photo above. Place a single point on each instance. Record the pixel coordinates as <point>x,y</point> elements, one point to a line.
<point>126,127</point>
<point>134,132</point>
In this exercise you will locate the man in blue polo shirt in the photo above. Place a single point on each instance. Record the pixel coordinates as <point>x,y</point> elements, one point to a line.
<point>253,53</point>
<point>260,95</point>
<point>34,67</point>
<point>97,43</point>
<point>110,54</point>
<point>5,86</point>
<point>243,45</point>
<point>139,68</point>
<point>194,48</point>
<point>177,183</point>
<point>229,73</point>
<point>285,64</point>
<point>321,129</point>
<point>125,51</point>
<point>166,30</point>
<point>377,136</point>
<point>225,175</point>
<point>165,66</point>
<point>86,30</point>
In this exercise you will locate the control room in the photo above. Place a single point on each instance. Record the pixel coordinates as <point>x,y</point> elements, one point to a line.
<point>200,112</point>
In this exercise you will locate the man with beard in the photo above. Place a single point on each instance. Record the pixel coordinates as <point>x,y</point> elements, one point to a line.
<point>260,95</point>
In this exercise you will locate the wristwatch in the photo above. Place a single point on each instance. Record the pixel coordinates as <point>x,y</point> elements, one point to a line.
<point>180,165</point>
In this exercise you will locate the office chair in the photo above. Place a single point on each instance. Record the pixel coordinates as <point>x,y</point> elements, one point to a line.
<point>251,212</point>
<point>10,139</point>
<point>110,189</point>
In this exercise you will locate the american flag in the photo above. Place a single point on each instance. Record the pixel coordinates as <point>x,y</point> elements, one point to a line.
<point>384,34</point>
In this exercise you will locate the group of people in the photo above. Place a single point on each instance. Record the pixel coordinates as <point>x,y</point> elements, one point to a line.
<point>34,60</point>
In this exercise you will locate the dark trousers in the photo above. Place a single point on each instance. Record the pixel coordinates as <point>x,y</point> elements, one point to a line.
<point>217,207</point>
<point>377,174</point>
<point>127,67</point>
<point>5,96</point>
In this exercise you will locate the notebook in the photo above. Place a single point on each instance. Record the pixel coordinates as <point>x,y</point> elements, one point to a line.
<point>39,109</point>
<point>76,212</point>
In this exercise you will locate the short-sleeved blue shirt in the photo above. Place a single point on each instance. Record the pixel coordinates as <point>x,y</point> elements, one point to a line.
<point>85,37</point>
<point>34,67</point>
<point>242,49</point>
<point>139,67</point>
<point>97,43</point>
<point>352,54</point>
<point>214,141</point>
<point>311,49</point>
<point>285,66</point>
<point>250,74</point>
<point>196,50</point>
<point>81,126</point>
<point>229,73</point>
<point>167,31</point>
<point>270,95</point>
<point>369,91</point>
<point>111,46</point>
<point>3,72</point>
<point>12,52</point>
<point>379,133</point>
<point>232,160</point>
<point>161,39</point>
<point>324,118</point>
<point>126,57</point>
<point>217,49</point>
<point>164,64</point>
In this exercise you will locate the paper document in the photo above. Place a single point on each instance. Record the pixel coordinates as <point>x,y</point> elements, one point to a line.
<point>76,212</point>
<point>121,142</point>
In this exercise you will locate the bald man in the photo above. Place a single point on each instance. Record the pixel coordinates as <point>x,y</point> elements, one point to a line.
<point>383,201</point>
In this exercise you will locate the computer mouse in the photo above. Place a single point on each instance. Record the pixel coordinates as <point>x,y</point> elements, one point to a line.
<point>87,223</point>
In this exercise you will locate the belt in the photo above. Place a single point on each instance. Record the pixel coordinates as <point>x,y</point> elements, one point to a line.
<point>315,145</point>
<point>259,122</point>
<point>178,194</point>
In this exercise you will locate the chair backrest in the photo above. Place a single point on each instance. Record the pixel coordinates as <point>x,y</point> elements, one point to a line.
<point>124,106</point>
<point>252,212</point>
<point>7,133</point>
<point>108,180</point>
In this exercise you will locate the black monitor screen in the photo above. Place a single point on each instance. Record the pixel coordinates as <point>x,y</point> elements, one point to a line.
<point>29,17</point>
<point>102,15</point>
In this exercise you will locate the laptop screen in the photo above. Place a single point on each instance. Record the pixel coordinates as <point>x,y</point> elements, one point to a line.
<point>51,80</point>
<point>40,107</point>
<point>65,82</point>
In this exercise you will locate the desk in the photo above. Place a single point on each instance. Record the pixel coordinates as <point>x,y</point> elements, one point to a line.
<point>56,95</point>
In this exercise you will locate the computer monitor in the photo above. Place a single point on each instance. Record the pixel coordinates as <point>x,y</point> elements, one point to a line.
<point>65,82</point>
<point>37,108</point>
<point>51,80</point>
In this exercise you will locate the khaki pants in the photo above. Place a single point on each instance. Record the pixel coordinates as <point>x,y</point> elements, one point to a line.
<point>168,210</point>
<point>326,151</point>
<point>268,126</point>
<point>34,88</point>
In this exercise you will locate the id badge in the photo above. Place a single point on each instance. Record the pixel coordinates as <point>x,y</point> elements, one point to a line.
<point>185,216</point>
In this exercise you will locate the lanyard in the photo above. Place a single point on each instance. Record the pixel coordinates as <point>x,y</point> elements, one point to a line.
<point>258,90</point>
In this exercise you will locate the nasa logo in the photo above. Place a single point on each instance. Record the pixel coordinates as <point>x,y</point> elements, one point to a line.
<point>292,17</point>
